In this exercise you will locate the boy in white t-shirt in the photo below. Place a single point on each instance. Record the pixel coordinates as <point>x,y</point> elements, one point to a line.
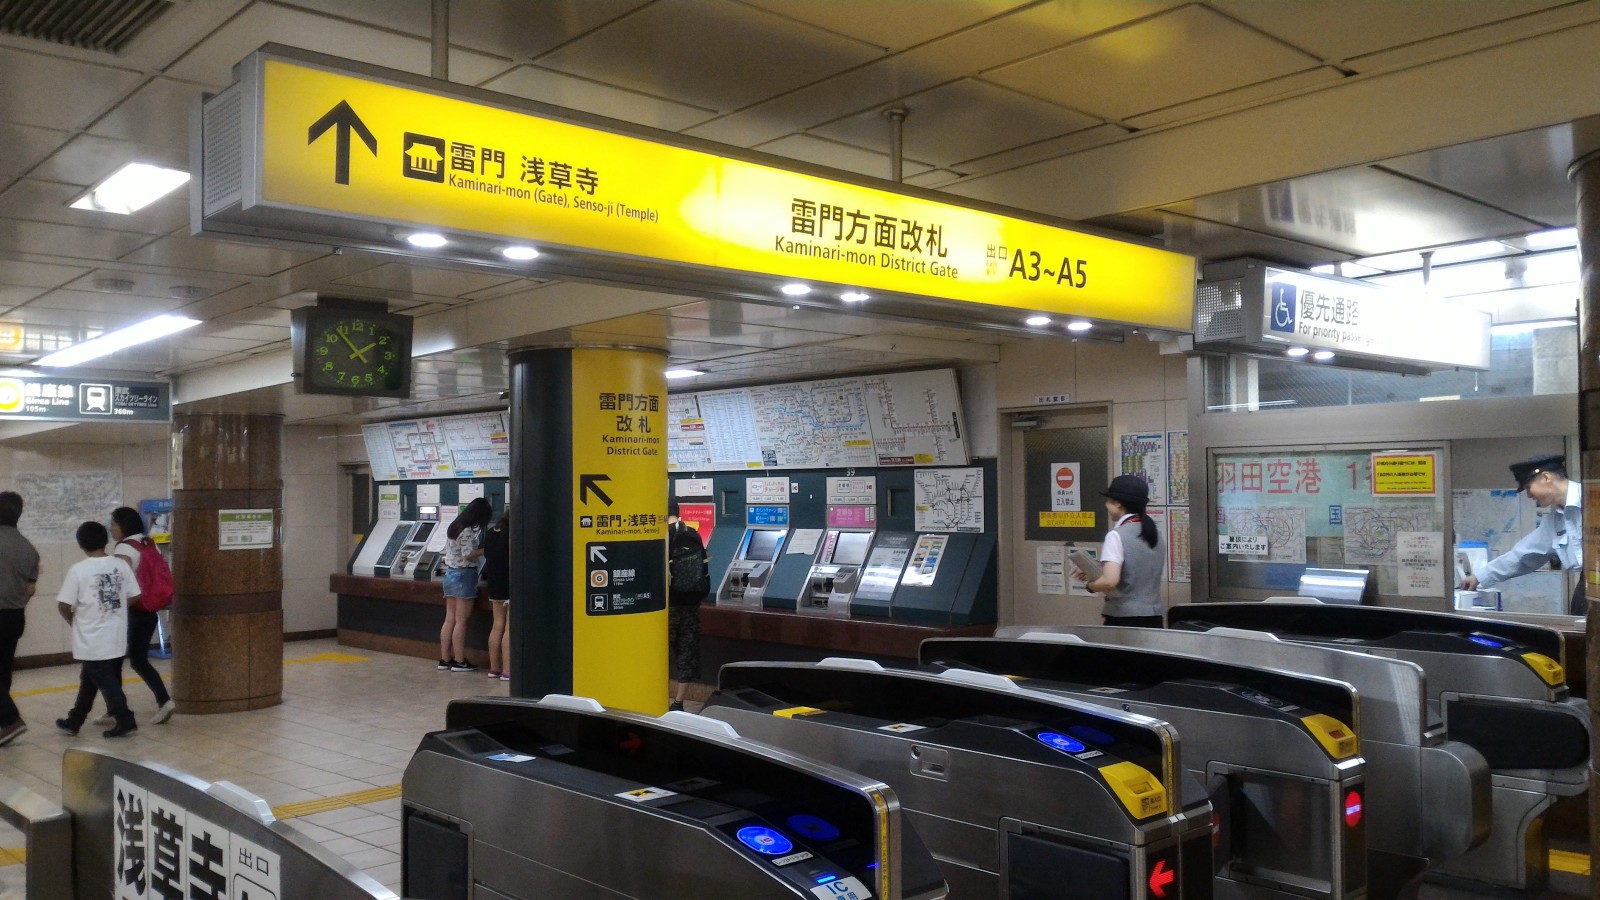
<point>94,598</point>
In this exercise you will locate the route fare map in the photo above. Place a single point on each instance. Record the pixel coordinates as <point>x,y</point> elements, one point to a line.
<point>949,499</point>
<point>915,419</point>
<point>1370,532</point>
<point>814,424</point>
<point>1284,527</point>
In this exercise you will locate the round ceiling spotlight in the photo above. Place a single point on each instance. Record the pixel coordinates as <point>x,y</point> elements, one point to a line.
<point>1322,355</point>
<point>1079,326</point>
<point>427,240</point>
<point>795,289</point>
<point>1036,321</point>
<point>1295,352</point>
<point>854,297</point>
<point>519,253</point>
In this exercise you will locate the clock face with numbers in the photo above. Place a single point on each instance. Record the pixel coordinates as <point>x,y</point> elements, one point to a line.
<point>353,352</point>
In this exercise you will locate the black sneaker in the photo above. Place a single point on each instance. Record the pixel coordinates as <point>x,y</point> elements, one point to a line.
<point>119,731</point>
<point>462,665</point>
<point>12,732</point>
<point>444,665</point>
<point>675,706</point>
<point>66,727</point>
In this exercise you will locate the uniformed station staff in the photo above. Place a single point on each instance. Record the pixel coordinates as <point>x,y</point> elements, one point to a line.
<point>1559,533</point>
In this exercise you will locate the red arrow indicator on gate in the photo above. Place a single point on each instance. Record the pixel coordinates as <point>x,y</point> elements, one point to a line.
<point>1160,877</point>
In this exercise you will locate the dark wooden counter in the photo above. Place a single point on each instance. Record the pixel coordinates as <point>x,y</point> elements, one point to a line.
<point>401,615</point>
<point>866,637</point>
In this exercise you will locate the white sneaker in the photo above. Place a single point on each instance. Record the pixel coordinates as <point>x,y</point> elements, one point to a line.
<point>164,713</point>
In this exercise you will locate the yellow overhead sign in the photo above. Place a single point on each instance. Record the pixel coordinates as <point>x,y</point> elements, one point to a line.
<point>364,149</point>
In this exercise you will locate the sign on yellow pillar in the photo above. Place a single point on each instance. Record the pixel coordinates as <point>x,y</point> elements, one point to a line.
<point>619,488</point>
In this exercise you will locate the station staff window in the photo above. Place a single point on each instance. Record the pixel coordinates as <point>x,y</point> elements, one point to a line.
<point>1294,508</point>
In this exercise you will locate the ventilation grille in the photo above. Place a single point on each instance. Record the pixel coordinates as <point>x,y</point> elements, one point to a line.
<point>104,25</point>
<point>221,150</point>
<point>1219,310</point>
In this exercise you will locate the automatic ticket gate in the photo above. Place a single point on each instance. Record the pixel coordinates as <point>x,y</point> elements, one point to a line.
<point>1019,794</point>
<point>751,568</point>
<point>1277,752</point>
<point>563,798</point>
<point>1495,685</point>
<point>1428,798</point>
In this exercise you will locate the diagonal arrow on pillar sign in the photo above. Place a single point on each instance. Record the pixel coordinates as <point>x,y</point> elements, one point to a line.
<point>344,120</point>
<point>587,483</point>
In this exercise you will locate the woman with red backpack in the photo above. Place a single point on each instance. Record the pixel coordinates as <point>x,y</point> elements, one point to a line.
<point>155,580</point>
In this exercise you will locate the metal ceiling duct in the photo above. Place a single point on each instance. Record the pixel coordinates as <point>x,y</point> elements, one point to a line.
<point>107,26</point>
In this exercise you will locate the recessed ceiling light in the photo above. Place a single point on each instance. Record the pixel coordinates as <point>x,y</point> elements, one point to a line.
<point>121,339</point>
<point>853,297</point>
<point>427,240</point>
<point>683,373</point>
<point>1037,321</point>
<point>1295,352</point>
<point>1079,325</point>
<point>1322,355</point>
<point>1556,237</point>
<point>131,188</point>
<point>519,253</point>
<point>796,289</point>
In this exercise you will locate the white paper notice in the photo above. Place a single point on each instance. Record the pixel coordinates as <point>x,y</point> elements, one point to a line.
<point>804,540</point>
<point>1421,558</point>
<point>1066,495</point>
<point>1052,569</point>
<point>465,493</point>
<point>388,503</point>
<point>1077,577</point>
<point>428,495</point>
<point>692,487</point>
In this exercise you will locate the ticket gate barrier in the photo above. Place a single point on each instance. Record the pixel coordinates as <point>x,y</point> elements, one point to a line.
<point>1493,691</point>
<point>1018,793</point>
<point>47,841</point>
<point>1276,751</point>
<point>141,829</point>
<point>561,797</point>
<point>1428,798</point>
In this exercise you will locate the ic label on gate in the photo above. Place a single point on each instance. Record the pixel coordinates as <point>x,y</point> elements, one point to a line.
<point>625,577</point>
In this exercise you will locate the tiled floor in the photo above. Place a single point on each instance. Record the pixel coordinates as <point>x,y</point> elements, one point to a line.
<point>349,722</point>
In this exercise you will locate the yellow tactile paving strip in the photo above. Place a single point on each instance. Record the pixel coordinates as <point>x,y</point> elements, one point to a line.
<point>357,798</point>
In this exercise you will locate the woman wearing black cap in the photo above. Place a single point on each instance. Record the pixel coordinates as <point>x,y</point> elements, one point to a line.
<point>1131,558</point>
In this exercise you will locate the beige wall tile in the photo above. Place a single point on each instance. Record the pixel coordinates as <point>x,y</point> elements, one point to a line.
<point>308,605</point>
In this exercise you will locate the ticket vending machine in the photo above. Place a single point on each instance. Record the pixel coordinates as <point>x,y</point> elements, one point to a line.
<point>381,547</point>
<point>416,556</point>
<point>748,573</point>
<point>562,797</point>
<point>834,576</point>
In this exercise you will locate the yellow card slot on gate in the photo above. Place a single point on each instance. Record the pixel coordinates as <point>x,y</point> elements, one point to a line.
<point>1335,736</point>
<point>793,711</point>
<point>1141,792</point>
<point>1551,671</point>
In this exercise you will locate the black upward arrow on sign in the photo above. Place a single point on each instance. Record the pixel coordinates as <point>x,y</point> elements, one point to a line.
<point>587,483</point>
<point>344,120</point>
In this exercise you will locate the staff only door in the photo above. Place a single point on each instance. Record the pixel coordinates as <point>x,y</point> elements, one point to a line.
<point>1055,506</point>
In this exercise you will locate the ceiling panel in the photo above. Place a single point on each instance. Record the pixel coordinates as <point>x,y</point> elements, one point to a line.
<point>47,238</point>
<point>37,274</point>
<point>157,115</point>
<point>895,24</point>
<point>1159,62</point>
<point>834,155</point>
<point>601,99</point>
<point>1338,30</point>
<point>960,121</point>
<point>1521,173</point>
<point>86,159</point>
<point>14,295</point>
<point>25,146</point>
<point>77,92</point>
<point>211,62</point>
<point>219,256</point>
<point>94,301</point>
<point>1213,241</point>
<point>46,201</point>
<point>1363,211</point>
<point>514,29</point>
<point>1249,95</point>
<point>427,281</point>
<point>708,53</point>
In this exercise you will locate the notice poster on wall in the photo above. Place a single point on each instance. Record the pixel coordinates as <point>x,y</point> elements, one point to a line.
<point>1178,468</point>
<point>702,517</point>
<point>1066,493</point>
<point>1145,454</point>
<point>1052,569</point>
<point>1078,577</point>
<point>1163,527</point>
<point>1179,553</point>
<point>1421,558</point>
<point>244,529</point>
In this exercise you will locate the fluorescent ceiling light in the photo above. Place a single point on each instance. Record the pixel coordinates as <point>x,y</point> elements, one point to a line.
<point>1555,237</point>
<point>1525,327</point>
<point>1079,325</point>
<point>131,188</point>
<point>1295,352</point>
<point>796,289</point>
<point>1463,252</point>
<point>121,339</point>
<point>1393,262</point>
<point>853,296</point>
<point>519,253</point>
<point>1037,321</point>
<point>1322,355</point>
<point>1439,398</point>
<point>427,240</point>
<point>683,373</point>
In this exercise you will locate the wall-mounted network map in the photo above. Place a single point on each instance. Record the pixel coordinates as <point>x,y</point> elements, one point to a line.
<point>903,419</point>
<point>470,446</point>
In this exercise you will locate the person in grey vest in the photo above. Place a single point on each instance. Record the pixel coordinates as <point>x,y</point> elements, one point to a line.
<point>1131,559</point>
